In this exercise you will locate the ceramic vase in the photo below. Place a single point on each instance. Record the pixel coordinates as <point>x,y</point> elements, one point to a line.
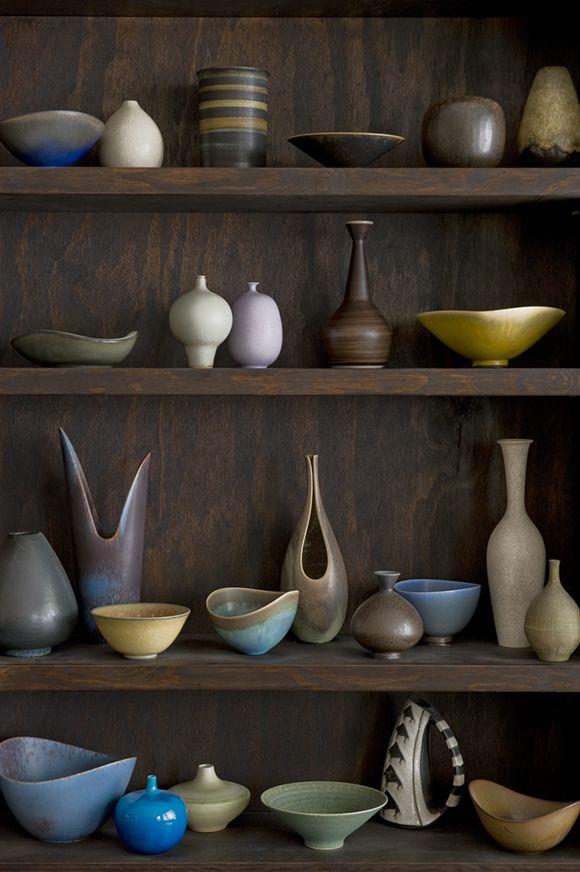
<point>549,131</point>
<point>211,803</point>
<point>109,567</point>
<point>357,335</point>
<point>150,821</point>
<point>313,565</point>
<point>386,624</point>
<point>516,557</point>
<point>406,778</point>
<point>256,337</point>
<point>131,139</point>
<point>552,622</point>
<point>463,132</point>
<point>201,320</point>
<point>38,608</point>
<point>233,116</point>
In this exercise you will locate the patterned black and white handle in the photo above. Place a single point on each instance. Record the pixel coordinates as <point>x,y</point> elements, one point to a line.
<point>456,758</point>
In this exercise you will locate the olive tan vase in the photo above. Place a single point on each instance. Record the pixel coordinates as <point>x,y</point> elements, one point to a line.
<point>516,557</point>
<point>553,620</point>
<point>211,802</point>
<point>314,566</point>
<point>549,132</point>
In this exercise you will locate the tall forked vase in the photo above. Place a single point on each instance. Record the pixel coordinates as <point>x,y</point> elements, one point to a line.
<point>109,567</point>
<point>314,566</point>
<point>516,556</point>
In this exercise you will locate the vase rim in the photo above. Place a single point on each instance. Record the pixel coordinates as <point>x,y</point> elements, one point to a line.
<point>25,533</point>
<point>515,441</point>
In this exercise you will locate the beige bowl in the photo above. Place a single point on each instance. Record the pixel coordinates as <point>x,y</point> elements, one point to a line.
<point>140,631</point>
<point>521,823</point>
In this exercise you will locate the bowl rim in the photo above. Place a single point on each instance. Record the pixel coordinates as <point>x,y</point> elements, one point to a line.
<point>109,760</point>
<point>98,612</point>
<point>489,313</point>
<point>563,806</point>
<point>279,594</point>
<point>338,814</point>
<point>389,136</point>
<point>461,585</point>
<point>64,333</point>
<point>43,115</point>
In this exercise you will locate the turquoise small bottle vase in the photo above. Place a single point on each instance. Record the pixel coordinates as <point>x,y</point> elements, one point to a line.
<point>150,821</point>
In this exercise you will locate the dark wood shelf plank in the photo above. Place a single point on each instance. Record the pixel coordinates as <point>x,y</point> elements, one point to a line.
<point>197,189</point>
<point>256,842</point>
<point>207,664</point>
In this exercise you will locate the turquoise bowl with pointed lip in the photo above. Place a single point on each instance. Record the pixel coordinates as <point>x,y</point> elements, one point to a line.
<point>252,621</point>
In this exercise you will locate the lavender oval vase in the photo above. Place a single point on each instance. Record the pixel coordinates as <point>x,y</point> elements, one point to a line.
<point>256,337</point>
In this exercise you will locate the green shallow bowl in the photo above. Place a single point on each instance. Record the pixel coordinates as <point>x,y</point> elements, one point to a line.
<point>57,348</point>
<point>324,813</point>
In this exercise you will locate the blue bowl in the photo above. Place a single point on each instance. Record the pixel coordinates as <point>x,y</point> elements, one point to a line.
<point>252,621</point>
<point>446,607</point>
<point>58,792</point>
<point>56,138</point>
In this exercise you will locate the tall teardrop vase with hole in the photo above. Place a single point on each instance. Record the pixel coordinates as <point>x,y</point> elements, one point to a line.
<point>109,567</point>
<point>314,566</point>
<point>516,556</point>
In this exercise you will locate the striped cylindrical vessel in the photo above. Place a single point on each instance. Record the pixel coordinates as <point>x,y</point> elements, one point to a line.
<point>233,116</point>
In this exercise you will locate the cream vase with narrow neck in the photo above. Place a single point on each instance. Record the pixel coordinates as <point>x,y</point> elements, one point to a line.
<point>131,139</point>
<point>516,557</point>
<point>553,620</point>
<point>201,320</point>
<point>211,803</point>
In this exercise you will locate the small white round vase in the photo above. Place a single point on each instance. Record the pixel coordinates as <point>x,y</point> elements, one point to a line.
<point>131,139</point>
<point>201,320</point>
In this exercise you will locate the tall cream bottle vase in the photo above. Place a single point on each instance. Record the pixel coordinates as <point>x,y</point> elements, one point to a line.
<point>516,557</point>
<point>201,320</point>
<point>553,620</point>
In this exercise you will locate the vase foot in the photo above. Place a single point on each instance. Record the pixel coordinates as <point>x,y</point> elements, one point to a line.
<point>139,656</point>
<point>438,640</point>
<point>387,655</point>
<point>27,652</point>
<point>358,366</point>
<point>490,363</point>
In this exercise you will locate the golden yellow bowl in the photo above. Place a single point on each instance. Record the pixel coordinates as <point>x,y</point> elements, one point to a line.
<point>491,338</point>
<point>521,823</point>
<point>140,631</point>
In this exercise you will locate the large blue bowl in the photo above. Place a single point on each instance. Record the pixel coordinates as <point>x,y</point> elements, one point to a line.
<point>446,607</point>
<point>58,792</point>
<point>55,138</point>
<point>249,620</point>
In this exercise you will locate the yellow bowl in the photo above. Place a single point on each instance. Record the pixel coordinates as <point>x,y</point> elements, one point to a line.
<point>521,823</point>
<point>491,338</point>
<point>140,631</point>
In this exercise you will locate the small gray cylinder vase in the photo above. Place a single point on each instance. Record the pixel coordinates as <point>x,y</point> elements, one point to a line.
<point>256,337</point>
<point>38,608</point>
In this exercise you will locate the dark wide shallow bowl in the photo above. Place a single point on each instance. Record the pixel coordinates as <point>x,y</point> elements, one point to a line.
<point>446,607</point>
<point>58,792</point>
<point>55,348</point>
<point>56,138</point>
<point>345,149</point>
<point>249,620</point>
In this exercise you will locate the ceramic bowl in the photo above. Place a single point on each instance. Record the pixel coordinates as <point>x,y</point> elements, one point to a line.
<point>521,823</point>
<point>140,631</point>
<point>491,338</point>
<point>252,621</point>
<point>58,792</point>
<point>446,607</point>
<point>50,139</point>
<point>324,813</point>
<point>55,348</point>
<point>345,149</point>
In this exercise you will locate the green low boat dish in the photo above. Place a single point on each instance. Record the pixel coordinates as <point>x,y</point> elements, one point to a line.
<point>249,620</point>
<point>324,813</point>
<point>56,348</point>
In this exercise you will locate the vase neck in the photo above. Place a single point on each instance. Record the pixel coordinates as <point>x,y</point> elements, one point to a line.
<point>515,458</point>
<point>554,576</point>
<point>386,579</point>
<point>253,286</point>
<point>206,775</point>
<point>200,284</point>
<point>357,283</point>
<point>151,784</point>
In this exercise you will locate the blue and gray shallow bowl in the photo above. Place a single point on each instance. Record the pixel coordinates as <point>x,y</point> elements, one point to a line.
<point>446,607</point>
<point>252,621</point>
<point>57,138</point>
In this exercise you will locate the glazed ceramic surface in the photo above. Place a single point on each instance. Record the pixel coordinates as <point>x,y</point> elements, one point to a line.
<point>314,566</point>
<point>131,139</point>
<point>521,823</point>
<point>446,607</point>
<point>140,631</point>
<point>252,621</point>
<point>211,803</point>
<point>255,340</point>
<point>491,338</point>
<point>50,139</point>
<point>150,821</point>
<point>549,132</point>
<point>345,148</point>
<point>386,624</point>
<point>58,792</point>
<point>552,623</point>
<point>55,348</point>
<point>201,320</point>
<point>324,813</point>
<point>357,335</point>
<point>406,772</point>
<point>233,116</point>
<point>38,608</point>
<point>109,567</point>
<point>463,132</point>
<point>516,556</point>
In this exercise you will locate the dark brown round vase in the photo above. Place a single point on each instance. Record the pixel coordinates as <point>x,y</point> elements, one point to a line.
<point>463,132</point>
<point>357,335</point>
<point>386,624</point>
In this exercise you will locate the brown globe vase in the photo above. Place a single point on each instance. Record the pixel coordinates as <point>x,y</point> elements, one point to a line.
<point>384,624</point>
<point>463,132</point>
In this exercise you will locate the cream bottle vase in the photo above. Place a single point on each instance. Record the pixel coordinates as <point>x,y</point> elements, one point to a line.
<point>553,620</point>
<point>131,139</point>
<point>201,320</point>
<point>516,557</point>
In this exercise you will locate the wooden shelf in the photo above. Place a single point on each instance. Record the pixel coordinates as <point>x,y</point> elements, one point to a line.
<point>256,842</point>
<point>197,189</point>
<point>94,381</point>
<point>207,664</point>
